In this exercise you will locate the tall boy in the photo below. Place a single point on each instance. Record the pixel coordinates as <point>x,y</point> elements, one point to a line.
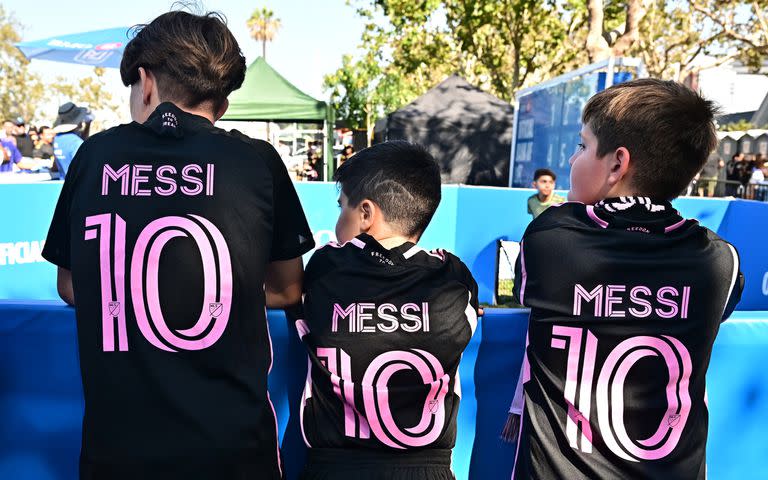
<point>171,236</point>
<point>619,344</point>
<point>385,325</point>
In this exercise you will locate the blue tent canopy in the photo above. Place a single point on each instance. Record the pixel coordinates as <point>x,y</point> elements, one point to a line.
<point>100,48</point>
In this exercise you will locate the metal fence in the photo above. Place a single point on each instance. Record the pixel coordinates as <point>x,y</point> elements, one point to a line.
<point>727,188</point>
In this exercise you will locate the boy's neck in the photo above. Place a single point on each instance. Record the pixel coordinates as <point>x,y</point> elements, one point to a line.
<point>393,242</point>
<point>545,198</point>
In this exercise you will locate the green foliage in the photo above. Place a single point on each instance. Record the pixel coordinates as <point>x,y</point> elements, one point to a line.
<point>502,46</point>
<point>89,91</point>
<point>739,126</point>
<point>20,90</point>
<point>263,27</point>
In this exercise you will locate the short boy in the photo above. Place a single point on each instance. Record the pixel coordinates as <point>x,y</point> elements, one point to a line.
<point>545,196</point>
<point>385,326</point>
<point>618,348</point>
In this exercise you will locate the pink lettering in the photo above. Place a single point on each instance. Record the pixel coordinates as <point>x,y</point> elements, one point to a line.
<point>170,181</point>
<point>139,179</point>
<point>672,312</point>
<point>634,298</point>
<point>610,301</point>
<point>187,177</point>
<point>339,312</point>
<point>580,293</point>
<point>109,174</point>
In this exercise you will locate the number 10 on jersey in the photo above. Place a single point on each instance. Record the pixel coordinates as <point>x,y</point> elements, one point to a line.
<point>610,391</point>
<point>144,281</point>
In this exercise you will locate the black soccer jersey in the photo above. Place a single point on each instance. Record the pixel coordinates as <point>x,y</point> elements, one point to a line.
<point>626,299</point>
<point>167,227</point>
<point>385,330</point>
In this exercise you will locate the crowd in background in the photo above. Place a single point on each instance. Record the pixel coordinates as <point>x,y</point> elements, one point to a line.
<point>44,149</point>
<point>742,176</point>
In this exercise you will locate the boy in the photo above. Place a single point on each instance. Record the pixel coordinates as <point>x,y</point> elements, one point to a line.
<point>544,183</point>
<point>171,237</point>
<point>385,325</point>
<point>618,348</point>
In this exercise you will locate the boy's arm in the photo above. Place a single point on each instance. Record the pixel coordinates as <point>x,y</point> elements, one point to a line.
<point>64,286</point>
<point>521,274</point>
<point>283,283</point>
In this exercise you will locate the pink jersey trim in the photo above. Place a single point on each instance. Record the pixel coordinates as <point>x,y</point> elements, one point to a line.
<point>675,226</point>
<point>307,394</point>
<point>277,436</point>
<point>591,212</point>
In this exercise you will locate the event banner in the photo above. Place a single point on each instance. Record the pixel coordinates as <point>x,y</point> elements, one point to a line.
<point>469,222</point>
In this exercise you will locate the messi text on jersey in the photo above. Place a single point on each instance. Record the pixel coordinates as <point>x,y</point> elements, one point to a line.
<point>166,180</point>
<point>386,317</point>
<point>638,301</point>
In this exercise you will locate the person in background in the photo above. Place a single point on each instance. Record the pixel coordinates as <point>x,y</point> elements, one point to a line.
<point>72,124</point>
<point>734,172</point>
<point>544,182</point>
<point>708,177</point>
<point>44,144</point>
<point>10,155</point>
<point>23,141</point>
<point>757,181</point>
<point>346,154</point>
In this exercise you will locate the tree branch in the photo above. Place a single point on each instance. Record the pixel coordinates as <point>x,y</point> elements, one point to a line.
<point>635,13</point>
<point>597,47</point>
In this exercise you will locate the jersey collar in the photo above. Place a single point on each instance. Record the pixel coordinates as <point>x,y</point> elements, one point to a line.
<point>169,120</point>
<point>395,254</point>
<point>636,214</point>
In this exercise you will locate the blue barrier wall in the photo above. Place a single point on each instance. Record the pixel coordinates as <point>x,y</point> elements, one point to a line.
<point>41,400</point>
<point>468,223</point>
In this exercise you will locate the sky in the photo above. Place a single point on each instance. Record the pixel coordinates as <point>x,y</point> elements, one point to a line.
<point>313,37</point>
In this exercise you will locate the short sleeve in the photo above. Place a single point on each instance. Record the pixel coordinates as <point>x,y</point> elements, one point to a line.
<point>291,236</point>
<point>737,287</point>
<point>57,243</point>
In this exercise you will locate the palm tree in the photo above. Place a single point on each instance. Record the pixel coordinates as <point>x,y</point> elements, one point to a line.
<point>263,27</point>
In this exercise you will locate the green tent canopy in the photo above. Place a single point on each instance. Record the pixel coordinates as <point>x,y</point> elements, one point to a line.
<point>266,96</point>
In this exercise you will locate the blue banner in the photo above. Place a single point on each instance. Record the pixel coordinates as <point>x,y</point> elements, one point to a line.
<point>41,400</point>
<point>468,223</point>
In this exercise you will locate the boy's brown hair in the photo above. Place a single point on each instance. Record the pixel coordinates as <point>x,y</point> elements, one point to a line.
<point>667,128</point>
<point>195,58</point>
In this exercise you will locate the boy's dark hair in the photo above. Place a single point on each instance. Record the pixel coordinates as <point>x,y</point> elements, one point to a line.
<point>542,172</point>
<point>195,58</point>
<point>402,178</point>
<point>667,128</point>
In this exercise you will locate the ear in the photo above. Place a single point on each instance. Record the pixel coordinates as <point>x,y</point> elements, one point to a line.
<point>367,211</point>
<point>533,184</point>
<point>618,166</point>
<point>222,110</point>
<point>147,82</point>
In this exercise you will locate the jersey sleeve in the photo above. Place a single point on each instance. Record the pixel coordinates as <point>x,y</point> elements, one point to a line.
<point>737,287</point>
<point>57,243</point>
<point>291,236</point>
<point>318,265</point>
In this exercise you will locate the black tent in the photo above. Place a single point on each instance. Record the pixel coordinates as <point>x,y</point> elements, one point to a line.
<point>468,131</point>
